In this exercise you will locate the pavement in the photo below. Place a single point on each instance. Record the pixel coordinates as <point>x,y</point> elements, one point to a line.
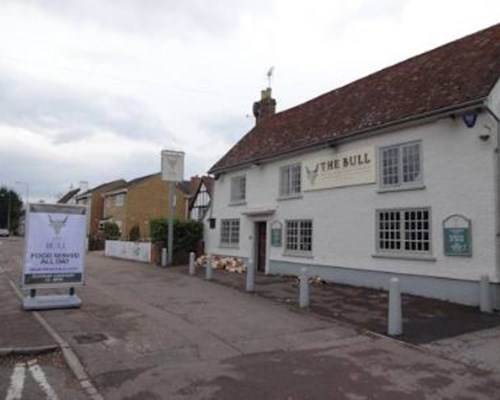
<point>145,332</point>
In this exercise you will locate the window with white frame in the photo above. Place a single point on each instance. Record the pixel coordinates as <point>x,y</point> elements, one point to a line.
<point>290,180</point>
<point>119,199</point>
<point>405,231</point>
<point>400,166</point>
<point>298,236</point>
<point>230,232</point>
<point>238,189</point>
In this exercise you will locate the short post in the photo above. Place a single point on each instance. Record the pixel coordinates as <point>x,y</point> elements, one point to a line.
<point>395,318</point>
<point>164,257</point>
<point>191,264</point>
<point>485,295</point>
<point>250,283</point>
<point>304,288</point>
<point>208,269</point>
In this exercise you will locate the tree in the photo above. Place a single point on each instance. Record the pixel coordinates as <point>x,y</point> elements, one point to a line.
<point>11,209</point>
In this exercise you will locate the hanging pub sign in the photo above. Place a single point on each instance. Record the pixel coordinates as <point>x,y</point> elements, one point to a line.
<point>276,233</point>
<point>457,236</point>
<point>55,246</point>
<point>172,165</point>
<point>350,168</point>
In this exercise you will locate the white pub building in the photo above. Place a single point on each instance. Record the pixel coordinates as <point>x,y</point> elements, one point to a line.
<point>395,174</point>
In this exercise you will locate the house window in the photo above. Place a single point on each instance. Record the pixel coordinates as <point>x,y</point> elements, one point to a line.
<point>290,180</point>
<point>401,165</point>
<point>119,200</point>
<point>238,189</point>
<point>405,231</point>
<point>298,237</point>
<point>230,232</point>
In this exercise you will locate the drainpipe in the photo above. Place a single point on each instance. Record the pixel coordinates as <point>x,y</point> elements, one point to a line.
<point>497,193</point>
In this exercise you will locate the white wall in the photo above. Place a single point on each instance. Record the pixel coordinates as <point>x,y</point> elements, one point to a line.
<point>128,250</point>
<point>459,171</point>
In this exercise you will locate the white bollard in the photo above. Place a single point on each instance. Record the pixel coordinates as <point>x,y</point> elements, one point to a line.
<point>395,317</point>
<point>208,269</point>
<point>485,295</point>
<point>164,257</point>
<point>250,283</point>
<point>304,288</point>
<point>191,264</point>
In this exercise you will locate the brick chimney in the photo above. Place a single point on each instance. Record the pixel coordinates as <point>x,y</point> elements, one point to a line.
<point>265,107</point>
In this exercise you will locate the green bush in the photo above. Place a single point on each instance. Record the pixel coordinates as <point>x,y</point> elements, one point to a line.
<point>187,233</point>
<point>134,234</point>
<point>111,231</point>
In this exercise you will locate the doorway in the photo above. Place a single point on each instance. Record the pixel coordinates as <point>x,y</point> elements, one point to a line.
<point>260,256</point>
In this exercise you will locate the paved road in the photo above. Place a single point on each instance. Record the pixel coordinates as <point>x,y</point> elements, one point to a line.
<point>42,376</point>
<point>151,333</point>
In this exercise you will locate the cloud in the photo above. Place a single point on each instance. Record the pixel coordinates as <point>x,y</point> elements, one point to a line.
<point>69,114</point>
<point>147,17</point>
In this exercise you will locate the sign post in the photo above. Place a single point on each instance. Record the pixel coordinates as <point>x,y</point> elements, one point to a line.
<point>54,254</point>
<point>172,170</point>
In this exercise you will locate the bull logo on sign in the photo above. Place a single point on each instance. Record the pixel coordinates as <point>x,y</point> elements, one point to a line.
<point>57,224</point>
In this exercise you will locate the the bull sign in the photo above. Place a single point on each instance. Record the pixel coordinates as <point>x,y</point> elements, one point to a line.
<point>57,224</point>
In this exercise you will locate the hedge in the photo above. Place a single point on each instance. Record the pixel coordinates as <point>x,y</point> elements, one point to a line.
<point>187,233</point>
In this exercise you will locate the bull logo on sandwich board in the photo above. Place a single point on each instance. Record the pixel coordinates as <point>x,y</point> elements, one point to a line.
<point>57,224</point>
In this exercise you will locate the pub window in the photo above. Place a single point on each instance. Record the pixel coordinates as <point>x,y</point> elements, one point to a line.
<point>400,166</point>
<point>238,189</point>
<point>406,231</point>
<point>298,236</point>
<point>230,232</point>
<point>290,180</point>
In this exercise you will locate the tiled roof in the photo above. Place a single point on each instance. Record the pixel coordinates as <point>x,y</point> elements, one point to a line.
<point>142,178</point>
<point>105,187</point>
<point>448,76</point>
<point>68,196</point>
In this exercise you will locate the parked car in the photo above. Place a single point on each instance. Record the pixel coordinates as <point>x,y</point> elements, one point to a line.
<point>4,232</point>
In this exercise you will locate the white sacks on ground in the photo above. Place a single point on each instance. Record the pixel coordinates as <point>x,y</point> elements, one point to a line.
<point>231,264</point>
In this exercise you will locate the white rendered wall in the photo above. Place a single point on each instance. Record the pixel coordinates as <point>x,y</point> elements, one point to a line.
<point>458,174</point>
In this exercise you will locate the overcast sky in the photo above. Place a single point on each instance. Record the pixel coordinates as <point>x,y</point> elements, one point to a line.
<point>92,90</point>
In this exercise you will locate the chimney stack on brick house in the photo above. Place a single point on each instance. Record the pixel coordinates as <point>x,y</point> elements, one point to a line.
<point>265,107</point>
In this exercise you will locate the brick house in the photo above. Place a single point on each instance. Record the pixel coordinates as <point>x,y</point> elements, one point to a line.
<point>94,200</point>
<point>115,208</point>
<point>139,201</point>
<point>395,174</point>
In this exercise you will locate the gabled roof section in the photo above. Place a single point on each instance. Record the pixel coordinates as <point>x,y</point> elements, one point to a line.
<point>142,178</point>
<point>105,187</point>
<point>456,74</point>
<point>68,196</point>
<point>208,181</point>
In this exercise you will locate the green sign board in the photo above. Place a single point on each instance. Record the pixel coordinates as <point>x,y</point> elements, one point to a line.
<point>276,234</point>
<point>457,236</point>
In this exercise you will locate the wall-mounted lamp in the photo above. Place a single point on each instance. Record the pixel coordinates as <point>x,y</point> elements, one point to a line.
<point>470,119</point>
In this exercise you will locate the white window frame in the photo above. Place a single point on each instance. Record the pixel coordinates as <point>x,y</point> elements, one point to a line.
<point>400,169</point>
<point>401,230</point>
<point>119,200</point>
<point>229,232</point>
<point>290,185</point>
<point>296,243</point>
<point>238,189</point>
